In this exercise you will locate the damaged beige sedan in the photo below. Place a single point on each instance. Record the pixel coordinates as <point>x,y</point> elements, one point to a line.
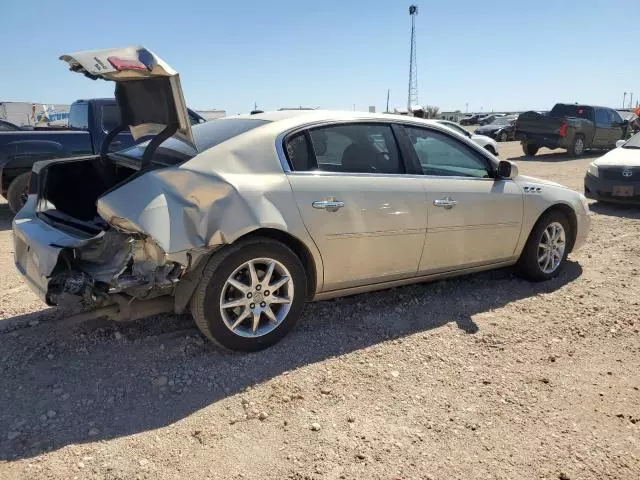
<point>242,220</point>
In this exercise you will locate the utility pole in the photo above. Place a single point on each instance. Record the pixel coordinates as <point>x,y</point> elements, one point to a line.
<point>388,91</point>
<point>413,67</point>
<point>624,98</point>
<point>631,101</point>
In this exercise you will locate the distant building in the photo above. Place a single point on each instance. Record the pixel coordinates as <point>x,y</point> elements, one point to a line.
<point>34,114</point>
<point>212,114</point>
<point>451,116</point>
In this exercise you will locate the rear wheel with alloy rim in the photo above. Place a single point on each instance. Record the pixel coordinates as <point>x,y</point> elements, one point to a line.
<point>545,252</point>
<point>251,295</point>
<point>577,146</point>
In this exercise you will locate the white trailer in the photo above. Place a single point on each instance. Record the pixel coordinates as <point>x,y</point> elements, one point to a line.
<point>34,114</point>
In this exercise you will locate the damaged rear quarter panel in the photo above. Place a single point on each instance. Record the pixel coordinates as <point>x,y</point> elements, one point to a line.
<point>215,198</point>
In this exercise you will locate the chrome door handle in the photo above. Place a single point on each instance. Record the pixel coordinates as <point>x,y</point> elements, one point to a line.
<point>446,202</point>
<point>328,205</point>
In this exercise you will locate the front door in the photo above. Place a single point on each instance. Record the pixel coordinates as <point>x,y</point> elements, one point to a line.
<point>605,129</point>
<point>366,216</point>
<point>473,219</point>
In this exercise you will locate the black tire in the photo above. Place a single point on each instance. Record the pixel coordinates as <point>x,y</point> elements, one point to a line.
<point>503,137</point>
<point>577,147</point>
<point>528,266</point>
<point>205,303</point>
<point>530,149</point>
<point>18,191</point>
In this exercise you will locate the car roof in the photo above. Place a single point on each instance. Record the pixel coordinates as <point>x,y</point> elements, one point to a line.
<point>302,117</point>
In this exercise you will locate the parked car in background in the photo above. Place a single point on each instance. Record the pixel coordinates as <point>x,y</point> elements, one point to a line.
<point>90,121</point>
<point>574,128</point>
<point>471,120</point>
<point>244,219</point>
<point>615,177</point>
<point>487,119</point>
<point>502,129</point>
<point>632,120</point>
<point>485,142</point>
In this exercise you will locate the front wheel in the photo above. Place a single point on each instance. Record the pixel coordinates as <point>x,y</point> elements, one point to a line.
<point>504,137</point>
<point>530,149</point>
<point>546,250</point>
<point>18,191</point>
<point>251,295</point>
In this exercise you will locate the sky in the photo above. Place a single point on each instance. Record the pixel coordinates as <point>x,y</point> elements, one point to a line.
<point>487,55</point>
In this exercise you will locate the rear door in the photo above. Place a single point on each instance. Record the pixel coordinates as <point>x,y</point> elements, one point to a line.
<point>473,219</point>
<point>364,212</point>
<point>605,131</point>
<point>618,129</point>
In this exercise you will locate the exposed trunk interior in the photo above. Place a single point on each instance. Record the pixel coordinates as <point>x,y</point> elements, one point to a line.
<point>71,189</point>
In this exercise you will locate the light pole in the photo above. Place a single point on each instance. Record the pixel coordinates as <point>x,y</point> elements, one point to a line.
<point>466,107</point>
<point>624,99</point>
<point>631,100</point>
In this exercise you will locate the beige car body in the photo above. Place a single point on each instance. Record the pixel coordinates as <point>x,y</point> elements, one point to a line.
<point>393,229</point>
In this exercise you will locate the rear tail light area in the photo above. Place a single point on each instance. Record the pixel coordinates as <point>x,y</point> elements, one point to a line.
<point>121,64</point>
<point>563,129</point>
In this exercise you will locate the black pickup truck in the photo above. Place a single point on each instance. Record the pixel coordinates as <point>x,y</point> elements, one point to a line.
<point>89,123</point>
<point>574,128</point>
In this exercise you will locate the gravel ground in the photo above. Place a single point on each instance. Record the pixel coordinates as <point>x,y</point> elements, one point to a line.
<point>480,377</point>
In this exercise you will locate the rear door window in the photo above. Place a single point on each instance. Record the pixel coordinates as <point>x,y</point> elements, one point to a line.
<point>603,117</point>
<point>79,116</point>
<point>351,148</point>
<point>110,117</point>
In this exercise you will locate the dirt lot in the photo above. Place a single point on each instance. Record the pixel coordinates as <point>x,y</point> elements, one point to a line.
<point>481,377</point>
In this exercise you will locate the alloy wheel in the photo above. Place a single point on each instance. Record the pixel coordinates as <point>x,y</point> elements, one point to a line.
<point>551,248</point>
<point>256,297</point>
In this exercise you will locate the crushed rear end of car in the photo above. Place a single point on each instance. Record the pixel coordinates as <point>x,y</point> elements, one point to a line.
<point>69,251</point>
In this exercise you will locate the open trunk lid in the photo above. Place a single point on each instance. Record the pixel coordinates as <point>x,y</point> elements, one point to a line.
<point>148,90</point>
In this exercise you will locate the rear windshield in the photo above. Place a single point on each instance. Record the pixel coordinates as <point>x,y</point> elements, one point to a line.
<point>206,135</point>
<point>579,111</point>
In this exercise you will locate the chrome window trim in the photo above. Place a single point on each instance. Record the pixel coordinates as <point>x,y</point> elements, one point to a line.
<point>403,122</point>
<point>323,173</point>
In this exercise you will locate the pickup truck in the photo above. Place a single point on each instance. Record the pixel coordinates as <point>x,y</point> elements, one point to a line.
<point>572,127</point>
<point>89,123</point>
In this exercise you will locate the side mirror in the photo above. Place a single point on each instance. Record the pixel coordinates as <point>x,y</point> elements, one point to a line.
<point>619,143</point>
<point>507,169</point>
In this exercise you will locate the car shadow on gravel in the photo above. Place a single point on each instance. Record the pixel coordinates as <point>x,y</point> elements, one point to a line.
<point>616,209</point>
<point>102,380</point>
<point>6,217</point>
